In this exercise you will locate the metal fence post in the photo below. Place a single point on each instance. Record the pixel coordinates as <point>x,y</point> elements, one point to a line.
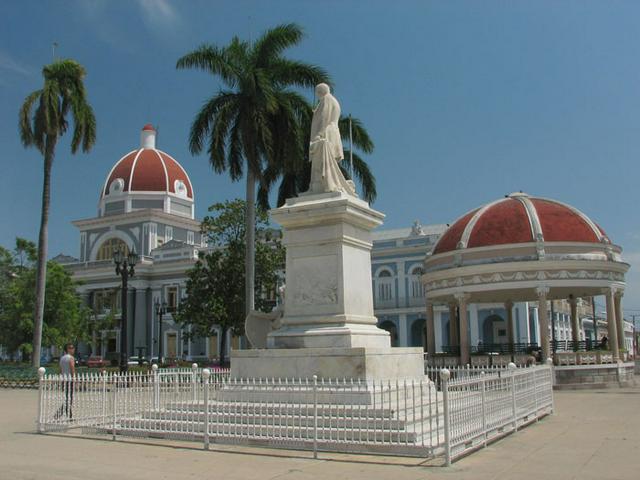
<point>156,387</point>
<point>535,391</point>
<point>194,378</point>
<point>114,396</point>
<point>206,373</point>
<point>512,368</point>
<point>41,372</point>
<point>483,385</point>
<point>552,381</point>
<point>315,416</point>
<point>444,378</point>
<point>104,398</point>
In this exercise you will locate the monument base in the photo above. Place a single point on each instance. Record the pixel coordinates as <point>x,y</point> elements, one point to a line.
<point>349,363</point>
<point>341,335</point>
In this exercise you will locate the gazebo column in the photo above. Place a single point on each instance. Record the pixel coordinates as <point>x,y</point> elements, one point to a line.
<point>453,328</point>
<point>508,306</point>
<point>612,326</point>
<point>575,324</point>
<point>465,354</point>
<point>430,325</point>
<point>543,321</point>
<point>619,318</point>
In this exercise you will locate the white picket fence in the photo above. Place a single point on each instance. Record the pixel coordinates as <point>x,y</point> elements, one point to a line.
<point>422,418</point>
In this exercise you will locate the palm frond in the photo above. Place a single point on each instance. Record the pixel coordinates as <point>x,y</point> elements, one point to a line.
<point>361,137</point>
<point>202,124</point>
<point>219,132</point>
<point>286,72</point>
<point>362,173</point>
<point>274,41</point>
<point>24,118</point>
<point>212,59</point>
<point>235,157</point>
<point>84,125</point>
<point>269,177</point>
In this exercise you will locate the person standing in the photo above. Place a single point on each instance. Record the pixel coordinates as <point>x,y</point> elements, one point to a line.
<point>68,371</point>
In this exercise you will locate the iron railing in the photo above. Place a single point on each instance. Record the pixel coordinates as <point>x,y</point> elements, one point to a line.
<point>418,417</point>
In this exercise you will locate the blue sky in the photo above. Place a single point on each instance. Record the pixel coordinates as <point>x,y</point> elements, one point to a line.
<point>466,101</point>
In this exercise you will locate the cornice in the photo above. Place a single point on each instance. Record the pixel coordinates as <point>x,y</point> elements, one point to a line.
<point>145,215</point>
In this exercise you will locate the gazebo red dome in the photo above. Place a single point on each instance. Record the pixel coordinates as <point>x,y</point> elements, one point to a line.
<point>520,218</point>
<point>149,170</point>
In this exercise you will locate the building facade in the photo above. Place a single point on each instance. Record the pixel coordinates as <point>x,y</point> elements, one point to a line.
<point>146,206</point>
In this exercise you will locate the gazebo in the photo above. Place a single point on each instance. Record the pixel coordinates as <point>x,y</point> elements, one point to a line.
<point>522,248</point>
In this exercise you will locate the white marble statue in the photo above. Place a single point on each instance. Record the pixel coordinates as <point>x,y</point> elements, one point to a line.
<point>325,149</point>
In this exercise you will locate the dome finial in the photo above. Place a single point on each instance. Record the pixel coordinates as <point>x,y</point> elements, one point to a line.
<point>148,137</point>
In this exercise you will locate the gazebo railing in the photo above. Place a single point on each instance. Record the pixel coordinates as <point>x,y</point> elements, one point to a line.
<point>451,349</point>
<point>505,348</point>
<point>580,346</point>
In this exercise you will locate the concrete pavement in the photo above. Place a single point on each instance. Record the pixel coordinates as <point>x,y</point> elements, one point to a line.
<point>593,435</point>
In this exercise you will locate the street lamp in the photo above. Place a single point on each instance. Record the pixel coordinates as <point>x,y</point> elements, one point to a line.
<point>125,268</point>
<point>161,309</point>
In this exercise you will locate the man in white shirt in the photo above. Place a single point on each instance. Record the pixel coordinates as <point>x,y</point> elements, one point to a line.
<point>68,369</point>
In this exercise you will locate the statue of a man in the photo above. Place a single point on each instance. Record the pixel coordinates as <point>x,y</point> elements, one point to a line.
<point>325,149</point>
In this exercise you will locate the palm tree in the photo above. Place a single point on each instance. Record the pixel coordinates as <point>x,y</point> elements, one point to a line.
<point>295,176</point>
<point>255,121</point>
<point>63,92</point>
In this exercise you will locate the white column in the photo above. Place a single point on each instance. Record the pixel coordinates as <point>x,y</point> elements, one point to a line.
<point>437,320</point>
<point>543,321</point>
<point>402,330</point>
<point>619,318</point>
<point>612,323</point>
<point>431,331</point>
<point>402,291</point>
<point>508,306</point>
<point>453,324</point>
<point>526,321</point>
<point>575,327</point>
<point>473,324</point>
<point>463,328</point>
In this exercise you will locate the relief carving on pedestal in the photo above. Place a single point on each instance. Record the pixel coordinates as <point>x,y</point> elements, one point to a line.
<point>314,281</point>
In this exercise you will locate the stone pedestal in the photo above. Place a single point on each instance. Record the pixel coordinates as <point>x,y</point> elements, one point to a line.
<point>328,328</point>
<point>352,363</point>
<point>328,300</point>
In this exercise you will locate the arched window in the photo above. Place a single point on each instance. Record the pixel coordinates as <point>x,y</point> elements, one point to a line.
<point>417,289</point>
<point>109,246</point>
<point>385,286</point>
<point>390,327</point>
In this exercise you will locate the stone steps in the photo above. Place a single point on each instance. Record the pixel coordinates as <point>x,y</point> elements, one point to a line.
<point>184,427</point>
<point>382,412</point>
<point>294,418</point>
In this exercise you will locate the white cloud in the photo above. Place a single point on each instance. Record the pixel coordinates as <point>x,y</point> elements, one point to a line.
<point>95,13</point>
<point>7,63</point>
<point>159,14</point>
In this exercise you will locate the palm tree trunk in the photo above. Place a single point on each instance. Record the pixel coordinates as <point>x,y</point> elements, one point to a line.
<point>250,245</point>
<point>41,274</point>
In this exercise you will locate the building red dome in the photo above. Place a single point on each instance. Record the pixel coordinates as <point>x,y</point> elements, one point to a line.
<point>148,170</point>
<point>520,218</point>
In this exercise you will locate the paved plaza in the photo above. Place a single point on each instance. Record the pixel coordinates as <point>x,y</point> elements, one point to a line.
<point>593,435</point>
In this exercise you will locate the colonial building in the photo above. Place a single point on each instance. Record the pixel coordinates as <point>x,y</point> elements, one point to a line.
<point>146,205</point>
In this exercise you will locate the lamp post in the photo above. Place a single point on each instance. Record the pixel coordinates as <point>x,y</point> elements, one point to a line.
<point>125,267</point>
<point>161,309</point>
